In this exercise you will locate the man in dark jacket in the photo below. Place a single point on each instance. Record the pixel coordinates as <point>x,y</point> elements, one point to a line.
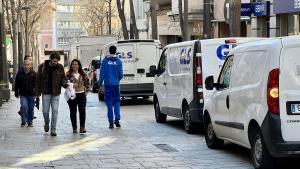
<point>111,73</point>
<point>50,79</point>
<point>25,87</point>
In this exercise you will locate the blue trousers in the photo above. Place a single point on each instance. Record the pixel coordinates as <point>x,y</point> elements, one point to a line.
<point>27,108</point>
<point>112,100</point>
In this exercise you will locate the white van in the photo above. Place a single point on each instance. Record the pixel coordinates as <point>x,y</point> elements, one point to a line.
<point>139,57</point>
<point>182,67</point>
<point>256,100</point>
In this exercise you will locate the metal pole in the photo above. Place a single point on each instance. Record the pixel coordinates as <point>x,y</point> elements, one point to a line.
<point>26,30</point>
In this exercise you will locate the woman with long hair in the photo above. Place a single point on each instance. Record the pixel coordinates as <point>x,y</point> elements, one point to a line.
<point>80,82</point>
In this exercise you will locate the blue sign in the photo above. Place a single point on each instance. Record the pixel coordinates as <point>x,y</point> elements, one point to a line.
<point>223,50</point>
<point>246,9</point>
<point>286,6</point>
<point>261,8</point>
<point>123,55</point>
<point>185,56</point>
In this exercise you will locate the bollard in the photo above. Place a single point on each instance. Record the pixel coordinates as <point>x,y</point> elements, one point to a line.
<point>5,92</point>
<point>1,97</point>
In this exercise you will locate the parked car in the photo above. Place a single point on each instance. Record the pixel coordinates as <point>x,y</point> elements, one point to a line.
<point>255,102</point>
<point>178,87</point>
<point>93,72</point>
<point>139,57</point>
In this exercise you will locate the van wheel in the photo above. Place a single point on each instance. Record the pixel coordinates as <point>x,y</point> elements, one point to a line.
<point>259,153</point>
<point>189,125</point>
<point>211,139</point>
<point>160,118</point>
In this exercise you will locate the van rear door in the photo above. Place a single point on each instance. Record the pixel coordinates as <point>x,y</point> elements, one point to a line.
<point>147,55</point>
<point>128,57</point>
<point>289,89</point>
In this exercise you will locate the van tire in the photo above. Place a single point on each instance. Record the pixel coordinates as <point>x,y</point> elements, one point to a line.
<point>260,156</point>
<point>189,126</point>
<point>211,139</point>
<point>159,117</point>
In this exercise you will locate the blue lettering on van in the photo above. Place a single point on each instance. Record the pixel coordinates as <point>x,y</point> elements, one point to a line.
<point>223,51</point>
<point>185,56</point>
<point>123,55</point>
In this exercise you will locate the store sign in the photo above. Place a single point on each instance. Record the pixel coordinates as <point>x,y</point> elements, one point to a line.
<point>246,9</point>
<point>286,6</point>
<point>261,8</point>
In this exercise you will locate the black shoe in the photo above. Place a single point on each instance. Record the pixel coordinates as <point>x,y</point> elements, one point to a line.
<point>46,127</point>
<point>34,117</point>
<point>82,130</point>
<point>75,131</point>
<point>111,125</point>
<point>23,124</point>
<point>53,133</point>
<point>30,125</point>
<point>117,124</point>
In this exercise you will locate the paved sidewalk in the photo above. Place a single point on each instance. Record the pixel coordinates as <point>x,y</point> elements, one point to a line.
<point>140,143</point>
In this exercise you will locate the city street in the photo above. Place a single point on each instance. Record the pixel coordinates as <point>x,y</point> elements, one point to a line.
<point>140,143</point>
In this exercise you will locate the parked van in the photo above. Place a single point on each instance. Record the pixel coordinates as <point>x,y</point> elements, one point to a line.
<point>93,73</point>
<point>178,87</point>
<point>255,101</point>
<point>139,57</point>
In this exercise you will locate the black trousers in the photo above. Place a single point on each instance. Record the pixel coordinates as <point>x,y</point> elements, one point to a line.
<point>79,101</point>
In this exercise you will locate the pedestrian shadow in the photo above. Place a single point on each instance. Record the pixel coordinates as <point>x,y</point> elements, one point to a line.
<point>134,102</point>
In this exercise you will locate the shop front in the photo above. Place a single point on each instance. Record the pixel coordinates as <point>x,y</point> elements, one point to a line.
<point>288,16</point>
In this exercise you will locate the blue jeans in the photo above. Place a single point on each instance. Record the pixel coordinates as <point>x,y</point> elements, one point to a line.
<point>27,107</point>
<point>53,101</point>
<point>112,100</point>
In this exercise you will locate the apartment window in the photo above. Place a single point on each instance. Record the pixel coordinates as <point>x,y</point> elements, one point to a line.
<point>65,8</point>
<point>46,45</point>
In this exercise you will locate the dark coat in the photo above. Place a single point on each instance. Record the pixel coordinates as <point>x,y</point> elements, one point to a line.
<point>58,79</point>
<point>25,83</point>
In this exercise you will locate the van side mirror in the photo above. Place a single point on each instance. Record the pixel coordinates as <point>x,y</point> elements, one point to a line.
<point>209,83</point>
<point>152,71</point>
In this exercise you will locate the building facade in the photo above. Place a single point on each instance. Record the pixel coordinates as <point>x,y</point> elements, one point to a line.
<point>66,25</point>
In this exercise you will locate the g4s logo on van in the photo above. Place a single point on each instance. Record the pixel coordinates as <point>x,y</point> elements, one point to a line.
<point>223,50</point>
<point>185,56</point>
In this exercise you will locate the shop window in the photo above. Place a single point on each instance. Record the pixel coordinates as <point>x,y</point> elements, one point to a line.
<point>293,24</point>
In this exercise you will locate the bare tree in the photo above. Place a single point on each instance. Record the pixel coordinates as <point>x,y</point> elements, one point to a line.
<point>122,18</point>
<point>154,19</point>
<point>234,18</point>
<point>183,19</point>
<point>14,40</point>
<point>133,21</point>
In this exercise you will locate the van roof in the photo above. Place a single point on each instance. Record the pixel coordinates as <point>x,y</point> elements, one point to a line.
<point>136,40</point>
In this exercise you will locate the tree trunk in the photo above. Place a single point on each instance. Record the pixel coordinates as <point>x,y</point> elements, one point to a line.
<point>14,41</point>
<point>123,19</point>
<point>183,19</point>
<point>8,17</point>
<point>207,19</point>
<point>154,19</point>
<point>235,18</point>
<point>132,17</point>
<point>26,31</point>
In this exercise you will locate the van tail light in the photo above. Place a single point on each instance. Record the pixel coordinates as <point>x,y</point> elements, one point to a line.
<point>198,79</point>
<point>273,91</point>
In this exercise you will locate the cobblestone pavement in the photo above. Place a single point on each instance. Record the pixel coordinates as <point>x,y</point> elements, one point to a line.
<point>140,143</point>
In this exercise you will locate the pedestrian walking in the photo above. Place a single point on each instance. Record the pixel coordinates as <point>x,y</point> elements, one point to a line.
<point>50,79</point>
<point>80,82</point>
<point>111,73</point>
<point>20,70</point>
<point>25,88</point>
